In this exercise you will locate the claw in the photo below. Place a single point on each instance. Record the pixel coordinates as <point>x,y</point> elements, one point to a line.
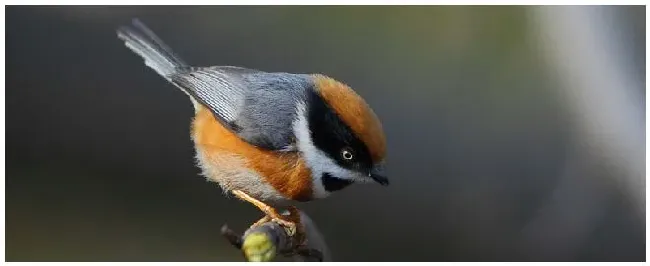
<point>289,227</point>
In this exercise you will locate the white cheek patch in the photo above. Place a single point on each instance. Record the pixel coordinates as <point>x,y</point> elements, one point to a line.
<point>316,159</point>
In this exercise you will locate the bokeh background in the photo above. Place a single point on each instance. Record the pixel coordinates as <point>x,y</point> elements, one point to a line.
<point>514,133</point>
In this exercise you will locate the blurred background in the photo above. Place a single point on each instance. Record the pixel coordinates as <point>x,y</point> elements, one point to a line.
<point>514,133</point>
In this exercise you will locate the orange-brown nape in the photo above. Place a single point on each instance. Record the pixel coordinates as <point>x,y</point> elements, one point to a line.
<point>286,173</point>
<point>355,112</point>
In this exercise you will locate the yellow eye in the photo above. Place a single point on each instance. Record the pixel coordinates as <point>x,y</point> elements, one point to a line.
<point>346,153</point>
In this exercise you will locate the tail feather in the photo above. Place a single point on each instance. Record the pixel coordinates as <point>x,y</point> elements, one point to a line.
<point>156,54</point>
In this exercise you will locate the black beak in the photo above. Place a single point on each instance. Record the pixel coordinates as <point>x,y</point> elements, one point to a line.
<point>379,178</point>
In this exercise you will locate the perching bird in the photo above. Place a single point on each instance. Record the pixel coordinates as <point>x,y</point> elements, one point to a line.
<point>271,138</point>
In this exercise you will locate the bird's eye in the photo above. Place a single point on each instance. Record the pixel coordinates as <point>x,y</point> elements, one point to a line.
<point>346,153</point>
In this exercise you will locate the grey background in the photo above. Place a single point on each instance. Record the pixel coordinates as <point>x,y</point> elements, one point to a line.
<point>99,164</point>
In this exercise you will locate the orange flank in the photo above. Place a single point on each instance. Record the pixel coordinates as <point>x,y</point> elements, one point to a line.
<point>285,172</point>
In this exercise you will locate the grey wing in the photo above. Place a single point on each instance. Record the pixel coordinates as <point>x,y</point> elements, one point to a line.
<point>221,89</point>
<point>259,107</point>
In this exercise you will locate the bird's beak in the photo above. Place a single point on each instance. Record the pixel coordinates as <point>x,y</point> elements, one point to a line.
<point>379,177</point>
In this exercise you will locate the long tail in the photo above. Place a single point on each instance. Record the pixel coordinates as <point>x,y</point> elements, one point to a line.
<point>156,54</point>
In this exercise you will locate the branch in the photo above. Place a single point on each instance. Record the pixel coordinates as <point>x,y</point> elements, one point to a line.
<point>266,241</point>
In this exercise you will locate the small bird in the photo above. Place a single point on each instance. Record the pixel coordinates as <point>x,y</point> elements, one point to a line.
<point>271,138</point>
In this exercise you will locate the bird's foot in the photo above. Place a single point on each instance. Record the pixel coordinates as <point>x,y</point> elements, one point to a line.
<point>259,247</point>
<point>289,226</point>
<point>272,214</point>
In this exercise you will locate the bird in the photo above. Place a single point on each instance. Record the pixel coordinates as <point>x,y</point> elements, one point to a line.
<point>272,139</point>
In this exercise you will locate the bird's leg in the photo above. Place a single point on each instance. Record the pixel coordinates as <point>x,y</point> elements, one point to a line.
<point>271,213</point>
<point>259,222</point>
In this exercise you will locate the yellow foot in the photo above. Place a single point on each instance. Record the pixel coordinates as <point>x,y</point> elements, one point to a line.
<point>289,227</point>
<point>271,212</point>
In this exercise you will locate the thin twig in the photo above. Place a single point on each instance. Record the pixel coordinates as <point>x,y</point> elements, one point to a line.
<point>270,239</point>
